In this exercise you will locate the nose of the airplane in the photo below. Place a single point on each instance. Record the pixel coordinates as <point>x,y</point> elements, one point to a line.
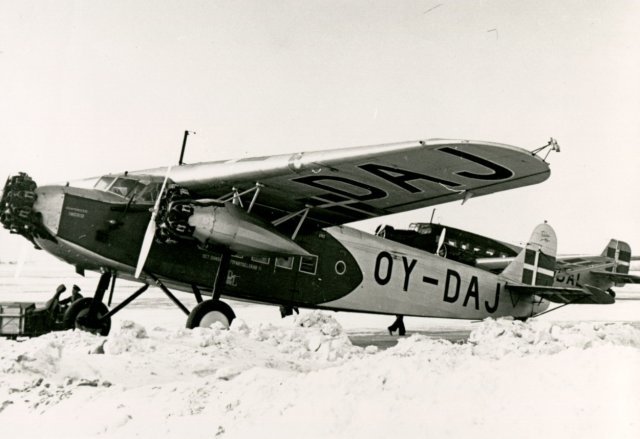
<point>29,210</point>
<point>48,206</point>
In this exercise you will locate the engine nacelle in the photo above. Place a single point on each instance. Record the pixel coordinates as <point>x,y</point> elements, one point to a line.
<point>216,224</point>
<point>230,226</point>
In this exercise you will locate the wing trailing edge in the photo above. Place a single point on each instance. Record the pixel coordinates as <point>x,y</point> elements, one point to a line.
<point>617,278</point>
<point>588,295</point>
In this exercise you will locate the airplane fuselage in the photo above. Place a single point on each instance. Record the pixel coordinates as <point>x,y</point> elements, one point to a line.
<point>347,269</point>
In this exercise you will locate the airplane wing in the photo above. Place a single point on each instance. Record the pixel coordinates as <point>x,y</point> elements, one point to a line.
<point>565,263</point>
<point>338,186</point>
<point>582,263</point>
<point>618,278</point>
<point>588,295</point>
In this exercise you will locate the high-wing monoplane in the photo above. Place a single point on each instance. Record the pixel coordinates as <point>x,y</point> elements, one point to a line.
<point>272,229</point>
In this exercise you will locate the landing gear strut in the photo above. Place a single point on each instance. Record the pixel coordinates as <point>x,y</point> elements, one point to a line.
<point>90,314</point>
<point>214,310</point>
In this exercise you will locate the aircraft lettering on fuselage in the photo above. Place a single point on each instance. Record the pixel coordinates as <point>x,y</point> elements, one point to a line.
<point>569,279</point>
<point>351,190</point>
<point>383,273</point>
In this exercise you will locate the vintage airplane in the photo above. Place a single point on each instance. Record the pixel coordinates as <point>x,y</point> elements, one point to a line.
<point>271,229</point>
<point>596,274</point>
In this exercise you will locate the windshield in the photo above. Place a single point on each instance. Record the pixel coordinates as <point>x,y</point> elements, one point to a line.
<point>125,186</point>
<point>141,190</point>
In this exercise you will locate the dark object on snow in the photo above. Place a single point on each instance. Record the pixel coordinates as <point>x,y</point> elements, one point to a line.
<point>397,325</point>
<point>25,319</point>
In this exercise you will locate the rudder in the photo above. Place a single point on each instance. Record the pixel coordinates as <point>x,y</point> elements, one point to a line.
<point>536,263</point>
<point>620,252</point>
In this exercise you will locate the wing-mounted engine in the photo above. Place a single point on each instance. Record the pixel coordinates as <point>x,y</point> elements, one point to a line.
<point>215,224</point>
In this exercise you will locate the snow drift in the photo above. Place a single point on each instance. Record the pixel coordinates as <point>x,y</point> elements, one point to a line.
<point>511,379</point>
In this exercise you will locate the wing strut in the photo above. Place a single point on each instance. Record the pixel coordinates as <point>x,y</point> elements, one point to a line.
<point>236,197</point>
<point>304,212</point>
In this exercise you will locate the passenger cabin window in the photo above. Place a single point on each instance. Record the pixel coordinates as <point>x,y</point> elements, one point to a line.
<point>308,264</point>
<point>283,262</point>
<point>261,260</point>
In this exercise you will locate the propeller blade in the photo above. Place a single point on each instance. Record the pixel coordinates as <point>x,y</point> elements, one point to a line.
<point>149,234</point>
<point>22,259</point>
<point>441,240</point>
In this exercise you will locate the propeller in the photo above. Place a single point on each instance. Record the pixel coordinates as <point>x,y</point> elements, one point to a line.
<point>151,229</point>
<point>22,259</point>
<point>441,240</point>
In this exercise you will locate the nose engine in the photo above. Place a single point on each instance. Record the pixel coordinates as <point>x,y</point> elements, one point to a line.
<point>16,207</point>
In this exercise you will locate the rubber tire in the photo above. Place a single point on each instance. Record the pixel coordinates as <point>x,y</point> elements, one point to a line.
<point>80,308</point>
<point>201,310</point>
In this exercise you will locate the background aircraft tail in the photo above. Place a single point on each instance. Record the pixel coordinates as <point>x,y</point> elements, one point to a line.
<point>536,263</point>
<point>620,251</point>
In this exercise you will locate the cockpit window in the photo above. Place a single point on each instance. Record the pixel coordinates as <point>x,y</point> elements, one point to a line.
<point>149,193</point>
<point>138,189</point>
<point>103,183</point>
<point>125,186</point>
<point>421,228</point>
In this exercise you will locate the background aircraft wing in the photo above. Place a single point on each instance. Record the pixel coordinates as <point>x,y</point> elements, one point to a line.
<point>618,278</point>
<point>338,186</point>
<point>584,262</point>
<point>588,295</point>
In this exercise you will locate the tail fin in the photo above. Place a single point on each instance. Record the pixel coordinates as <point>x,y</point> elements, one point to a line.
<point>620,252</point>
<point>536,263</point>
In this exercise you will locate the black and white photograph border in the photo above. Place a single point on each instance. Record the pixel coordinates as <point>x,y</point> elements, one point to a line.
<point>214,96</point>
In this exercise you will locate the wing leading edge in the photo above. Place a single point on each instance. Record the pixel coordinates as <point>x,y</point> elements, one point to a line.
<point>338,186</point>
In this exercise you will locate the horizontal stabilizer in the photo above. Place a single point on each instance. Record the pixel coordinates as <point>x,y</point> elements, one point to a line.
<point>617,278</point>
<point>587,295</point>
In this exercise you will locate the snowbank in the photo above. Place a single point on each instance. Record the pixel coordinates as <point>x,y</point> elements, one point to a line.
<point>511,379</point>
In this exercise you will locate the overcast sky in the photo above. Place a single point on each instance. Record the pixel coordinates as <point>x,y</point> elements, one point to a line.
<point>94,87</point>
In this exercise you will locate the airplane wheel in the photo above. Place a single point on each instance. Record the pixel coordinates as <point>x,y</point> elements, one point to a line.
<point>76,317</point>
<point>208,312</point>
<point>611,293</point>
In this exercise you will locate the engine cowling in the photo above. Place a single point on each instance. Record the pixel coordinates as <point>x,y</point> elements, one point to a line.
<point>16,205</point>
<point>215,224</point>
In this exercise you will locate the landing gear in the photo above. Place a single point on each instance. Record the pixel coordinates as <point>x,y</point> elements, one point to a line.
<point>92,315</point>
<point>77,317</point>
<point>209,312</point>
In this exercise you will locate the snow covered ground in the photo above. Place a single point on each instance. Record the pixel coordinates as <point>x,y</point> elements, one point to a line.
<point>572,374</point>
